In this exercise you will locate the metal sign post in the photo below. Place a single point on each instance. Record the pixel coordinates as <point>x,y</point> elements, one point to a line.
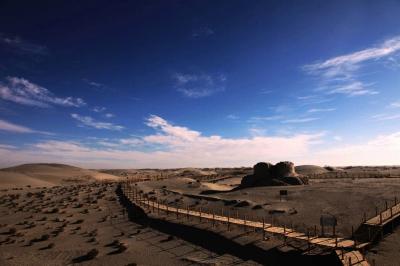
<point>328,220</point>
<point>282,192</point>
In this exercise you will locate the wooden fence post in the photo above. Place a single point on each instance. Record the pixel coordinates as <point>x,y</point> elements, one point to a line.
<point>352,232</point>
<point>200,214</point>
<point>229,223</point>
<point>263,228</point>
<point>213,218</point>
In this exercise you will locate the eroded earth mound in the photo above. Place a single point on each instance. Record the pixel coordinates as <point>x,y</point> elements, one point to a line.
<point>267,174</point>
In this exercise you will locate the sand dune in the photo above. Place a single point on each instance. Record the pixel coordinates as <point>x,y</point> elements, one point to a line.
<point>310,169</point>
<point>48,175</point>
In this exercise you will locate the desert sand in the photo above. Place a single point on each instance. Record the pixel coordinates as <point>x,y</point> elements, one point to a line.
<point>60,215</point>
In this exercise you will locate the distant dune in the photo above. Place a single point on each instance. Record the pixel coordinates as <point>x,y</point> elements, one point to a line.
<point>310,169</point>
<point>47,175</point>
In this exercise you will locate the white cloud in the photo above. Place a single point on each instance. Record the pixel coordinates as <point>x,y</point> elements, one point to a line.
<point>93,83</point>
<point>338,138</point>
<point>108,144</point>
<point>174,134</point>
<point>10,127</point>
<point>6,146</point>
<point>264,91</point>
<point>181,147</point>
<point>22,91</point>
<point>90,122</point>
<point>199,85</point>
<point>202,32</point>
<point>184,147</point>
<point>232,117</point>
<point>354,88</point>
<point>387,146</point>
<point>265,118</point>
<point>395,104</point>
<point>99,109</point>
<point>300,120</point>
<point>339,74</point>
<point>384,117</point>
<point>313,99</point>
<point>131,141</point>
<point>351,61</point>
<point>23,46</point>
<point>257,132</point>
<point>317,110</point>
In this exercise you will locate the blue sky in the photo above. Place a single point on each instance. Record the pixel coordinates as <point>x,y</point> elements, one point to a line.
<point>200,83</point>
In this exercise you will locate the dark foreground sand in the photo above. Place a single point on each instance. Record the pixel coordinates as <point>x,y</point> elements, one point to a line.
<point>85,224</point>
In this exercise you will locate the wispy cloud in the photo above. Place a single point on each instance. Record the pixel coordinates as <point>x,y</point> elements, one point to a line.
<point>199,85</point>
<point>22,91</point>
<point>339,74</point>
<point>395,104</point>
<point>384,117</point>
<point>299,120</point>
<point>257,132</point>
<point>281,109</point>
<point>232,117</point>
<point>14,128</point>
<point>318,110</point>
<point>265,91</point>
<point>6,146</point>
<point>265,118</point>
<point>23,46</point>
<point>354,88</point>
<point>338,138</point>
<point>313,99</point>
<point>90,122</point>
<point>99,109</point>
<point>93,83</point>
<point>202,32</point>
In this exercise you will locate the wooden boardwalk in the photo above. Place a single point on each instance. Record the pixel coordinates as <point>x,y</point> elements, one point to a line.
<point>351,255</point>
<point>386,216</point>
<point>351,258</point>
